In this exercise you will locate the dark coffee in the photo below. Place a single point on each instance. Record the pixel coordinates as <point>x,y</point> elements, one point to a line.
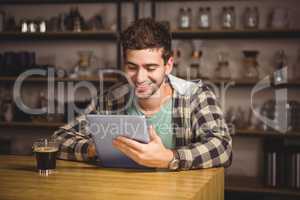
<point>46,157</point>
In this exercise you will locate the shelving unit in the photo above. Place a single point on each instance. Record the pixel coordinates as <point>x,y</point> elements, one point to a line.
<point>103,35</point>
<point>60,1</point>
<point>244,82</point>
<point>236,34</point>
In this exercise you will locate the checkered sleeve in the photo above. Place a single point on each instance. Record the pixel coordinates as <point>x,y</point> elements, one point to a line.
<point>74,139</point>
<point>211,144</point>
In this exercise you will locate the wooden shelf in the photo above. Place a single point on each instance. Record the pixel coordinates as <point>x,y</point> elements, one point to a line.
<point>85,35</point>
<point>176,34</point>
<point>235,34</point>
<point>43,79</point>
<point>243,82</point>
<point>255,185</point>
<point>268,133</point>
<point>30,124</point>
<point>59,1</point>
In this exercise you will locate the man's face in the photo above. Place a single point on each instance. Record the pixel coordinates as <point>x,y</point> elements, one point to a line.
<point>146,70</point>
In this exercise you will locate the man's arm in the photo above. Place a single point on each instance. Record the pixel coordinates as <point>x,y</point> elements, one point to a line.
<point>212,145</point>
<point>75,142</point>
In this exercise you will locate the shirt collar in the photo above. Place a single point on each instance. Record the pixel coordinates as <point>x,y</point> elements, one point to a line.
<point>183,87</point>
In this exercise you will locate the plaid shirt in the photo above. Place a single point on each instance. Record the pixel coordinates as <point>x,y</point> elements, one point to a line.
<point>202,136</point>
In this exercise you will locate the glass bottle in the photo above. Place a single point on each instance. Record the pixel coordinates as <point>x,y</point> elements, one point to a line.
<point>77,20</point>
<point>204,17</point>
<point>251,18</point>
<point>184,21</point>
<point>195,64</point>
<point>24,26</point>
<point>222,71</point>
<point>228,18</point>
<point>250,64</point>
<point>32,27</point>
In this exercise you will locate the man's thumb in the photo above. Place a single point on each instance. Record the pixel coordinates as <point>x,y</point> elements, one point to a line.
<point>152,133</point>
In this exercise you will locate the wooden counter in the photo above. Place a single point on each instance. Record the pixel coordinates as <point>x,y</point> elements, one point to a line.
<point>76,180</point>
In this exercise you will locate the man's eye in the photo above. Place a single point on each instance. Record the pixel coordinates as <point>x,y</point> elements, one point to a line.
<point>151,68</point>
<point>131,67</point>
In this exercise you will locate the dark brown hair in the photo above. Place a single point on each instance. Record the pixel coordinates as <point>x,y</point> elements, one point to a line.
<point>146,33</point>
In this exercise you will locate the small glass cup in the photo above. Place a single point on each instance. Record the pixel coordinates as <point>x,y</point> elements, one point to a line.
<point>45,151</point>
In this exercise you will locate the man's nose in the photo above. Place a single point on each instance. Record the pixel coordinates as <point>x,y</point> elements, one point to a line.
<point>141,75</point>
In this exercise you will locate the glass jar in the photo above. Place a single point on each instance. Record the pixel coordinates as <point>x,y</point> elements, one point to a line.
<point>204,17</point>
<point>228,18</point>
<point>251,18</point>
<point>32,27</point>
<point>185,17</point>
<point>222,71</point>
<point>24,26</point>
<point>279,18</point>
<point>84,63</point>
<point>250,64</point>
<point>195,64</point>
<point>42,26</point>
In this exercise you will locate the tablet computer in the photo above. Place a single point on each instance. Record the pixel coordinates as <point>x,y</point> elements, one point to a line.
<point>104,128</point>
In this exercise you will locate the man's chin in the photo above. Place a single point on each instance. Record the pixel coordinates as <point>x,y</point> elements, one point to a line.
<point>143,95</point>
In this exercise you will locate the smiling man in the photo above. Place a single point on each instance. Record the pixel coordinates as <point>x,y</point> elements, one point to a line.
<point>187,129</point>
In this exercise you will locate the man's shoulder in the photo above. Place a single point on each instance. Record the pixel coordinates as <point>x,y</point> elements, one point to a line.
<point>189,88</point>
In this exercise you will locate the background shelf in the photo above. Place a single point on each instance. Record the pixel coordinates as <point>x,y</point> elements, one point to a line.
<point>84,35</point>
<point>59,1</point>
<point>44,79</point>
<point>236,34</point>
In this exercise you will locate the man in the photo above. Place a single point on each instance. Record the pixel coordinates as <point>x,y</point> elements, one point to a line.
<point>188,129</point>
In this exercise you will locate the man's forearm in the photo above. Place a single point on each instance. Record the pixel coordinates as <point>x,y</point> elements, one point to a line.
<point>213,153</point>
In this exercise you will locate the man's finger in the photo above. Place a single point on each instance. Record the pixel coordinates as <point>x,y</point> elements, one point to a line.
<point>130,152</point>
<point>131,143</point>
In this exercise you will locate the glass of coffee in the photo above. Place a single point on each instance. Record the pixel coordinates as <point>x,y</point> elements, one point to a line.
<point>45,151</point>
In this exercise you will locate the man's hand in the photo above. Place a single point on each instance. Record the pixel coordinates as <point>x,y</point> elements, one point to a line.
<point>153,154</point>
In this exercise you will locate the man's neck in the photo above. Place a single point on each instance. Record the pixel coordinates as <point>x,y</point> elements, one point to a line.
<point>152,105</point>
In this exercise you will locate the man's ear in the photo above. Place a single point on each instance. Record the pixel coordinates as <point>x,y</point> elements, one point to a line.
<point>169,65</point>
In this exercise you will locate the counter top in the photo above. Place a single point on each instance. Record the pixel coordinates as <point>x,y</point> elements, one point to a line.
<point>77,180</point>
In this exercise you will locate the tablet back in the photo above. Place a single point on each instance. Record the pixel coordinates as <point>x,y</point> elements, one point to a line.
<point>104,128</point>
